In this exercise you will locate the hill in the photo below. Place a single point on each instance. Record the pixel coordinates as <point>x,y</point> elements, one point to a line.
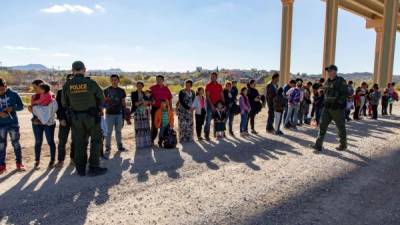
<point>30,67</point>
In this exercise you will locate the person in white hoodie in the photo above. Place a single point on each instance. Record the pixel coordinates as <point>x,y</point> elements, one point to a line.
<point>43,121</point>
<point>199,106</point>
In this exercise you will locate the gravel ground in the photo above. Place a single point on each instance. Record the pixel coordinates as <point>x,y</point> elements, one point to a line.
<point>264,179</point>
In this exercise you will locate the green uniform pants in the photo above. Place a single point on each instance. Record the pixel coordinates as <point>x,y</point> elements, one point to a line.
<point>83,127</point>
<point>338,116</point>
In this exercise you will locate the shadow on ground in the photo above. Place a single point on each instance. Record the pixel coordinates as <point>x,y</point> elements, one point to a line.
<point>366,195</point>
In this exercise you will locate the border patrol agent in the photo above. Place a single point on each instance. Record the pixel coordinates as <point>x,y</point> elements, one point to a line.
<point>83,97</point>
<point>335,89</point>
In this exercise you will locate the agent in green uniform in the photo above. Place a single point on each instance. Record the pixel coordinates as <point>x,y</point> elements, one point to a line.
<point>335,89</point>
<point>82,97</point>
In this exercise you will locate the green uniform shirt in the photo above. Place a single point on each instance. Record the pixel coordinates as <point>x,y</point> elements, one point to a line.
<point>335,93</point>
<point>81,93</point>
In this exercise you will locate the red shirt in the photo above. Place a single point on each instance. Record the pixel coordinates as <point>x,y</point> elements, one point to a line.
<point>159,93</point>
<point>42,99</point>
<point>214,91</point>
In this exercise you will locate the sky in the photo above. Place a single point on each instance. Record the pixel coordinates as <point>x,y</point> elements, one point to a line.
<point>177,35</point>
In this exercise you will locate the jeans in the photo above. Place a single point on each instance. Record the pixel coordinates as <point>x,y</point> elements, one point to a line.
<point>285,112</point>
<point>293,112</point>
<point>13,131</point>
<point>278,120</point>
<point>209,115</point>
<point>162,133</point>
<point>374,111</point>
<point>251,119</point>
<point>38,130</point>
<point>270,120</point>
<point>318,112</point>
<point>243,122</point>
<point>356,114</point>
<point>230,115</point>
<point>118,122</point>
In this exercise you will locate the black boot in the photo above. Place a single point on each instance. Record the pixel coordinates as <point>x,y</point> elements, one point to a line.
<point>96,171</point>
<point>81,170</point>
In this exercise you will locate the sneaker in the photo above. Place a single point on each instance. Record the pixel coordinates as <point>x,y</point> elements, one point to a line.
<point>254,132</point>
<point>51,164</point>
<point>2,169</point>
<point>207,138</point>
<point>36,166</point>
<point>20,167</point>
<point>200,138</point>
<point>316,148</point>
<point>341,148</point>
<point>97,171</point>
<point>278,132</point>
<point>59,164</point>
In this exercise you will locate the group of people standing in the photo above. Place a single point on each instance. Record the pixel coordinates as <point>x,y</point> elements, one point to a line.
<point>82,107</point>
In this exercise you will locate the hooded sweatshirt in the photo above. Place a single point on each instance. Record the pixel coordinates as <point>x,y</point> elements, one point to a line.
<point>10,99</point>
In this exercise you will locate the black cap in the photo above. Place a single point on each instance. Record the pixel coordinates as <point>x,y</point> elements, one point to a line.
<point>331,67</point>
<point>78,65</point>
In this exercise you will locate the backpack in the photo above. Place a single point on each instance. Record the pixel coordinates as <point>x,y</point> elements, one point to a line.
<point>170,139</point>
<point>294,97</point>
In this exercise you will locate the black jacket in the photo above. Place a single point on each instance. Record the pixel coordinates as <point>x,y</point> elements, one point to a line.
<point>61,115</point>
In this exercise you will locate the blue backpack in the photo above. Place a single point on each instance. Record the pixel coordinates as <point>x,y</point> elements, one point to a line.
<point>294,97</point>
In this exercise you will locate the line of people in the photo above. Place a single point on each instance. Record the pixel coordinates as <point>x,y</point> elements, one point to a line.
<point>80,100</point>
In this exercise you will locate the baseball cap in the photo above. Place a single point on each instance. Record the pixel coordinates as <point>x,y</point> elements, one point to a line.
<point>78,65</point>
<point>331,67</point>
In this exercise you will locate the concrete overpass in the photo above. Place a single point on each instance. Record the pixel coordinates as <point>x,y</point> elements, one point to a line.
<point>380,15</point>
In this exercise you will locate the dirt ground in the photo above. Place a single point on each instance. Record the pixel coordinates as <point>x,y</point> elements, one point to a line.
<point>264,179</point>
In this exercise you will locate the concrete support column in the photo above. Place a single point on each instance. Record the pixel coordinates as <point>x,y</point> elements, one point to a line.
<point>386,57</point>
<point>378,44</point>
<point>330,34</point>
<point>286,40</point>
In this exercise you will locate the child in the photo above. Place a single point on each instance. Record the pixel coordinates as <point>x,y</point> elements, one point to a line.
<point>244,105</point>
<point>220,120</point>
<point>199,106</point>
<point>357,104</point>
<point>279,106</point>
<point>45,97</point>
<point>374,97</point>
<point>164,120</point>
<point>295,97</point>
<point>319,104</point>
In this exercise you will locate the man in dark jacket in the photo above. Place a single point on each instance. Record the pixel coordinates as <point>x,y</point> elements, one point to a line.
<point>10,104</point>
<point>64,129</point>
<point>270,94</point>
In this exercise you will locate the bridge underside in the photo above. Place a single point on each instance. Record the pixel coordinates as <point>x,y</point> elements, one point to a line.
<point>381,15</point>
